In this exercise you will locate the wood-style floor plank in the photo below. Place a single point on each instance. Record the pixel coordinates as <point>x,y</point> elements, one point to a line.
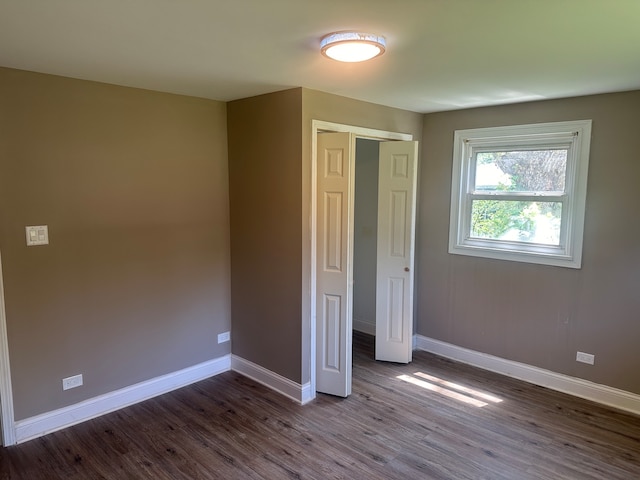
<point>230,427</point>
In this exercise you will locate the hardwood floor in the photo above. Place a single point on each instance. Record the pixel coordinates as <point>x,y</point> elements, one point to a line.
<point>401,422</point>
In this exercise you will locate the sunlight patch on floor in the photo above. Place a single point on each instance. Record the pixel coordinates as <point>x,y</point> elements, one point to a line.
<point>448,389</point>
<point>476,393</point>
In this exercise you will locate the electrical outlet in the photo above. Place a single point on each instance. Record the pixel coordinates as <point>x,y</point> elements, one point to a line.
<point>585,358</point>
<point>71,382</point>
<point>224,337</point>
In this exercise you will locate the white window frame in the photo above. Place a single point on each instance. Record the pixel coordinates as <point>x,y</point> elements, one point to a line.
<point>573,135</point>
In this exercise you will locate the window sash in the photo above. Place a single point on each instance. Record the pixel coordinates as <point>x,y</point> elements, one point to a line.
<point>520,197</point>
<point>475,152</point>
<point>466,213</point>
<point>563,197</point>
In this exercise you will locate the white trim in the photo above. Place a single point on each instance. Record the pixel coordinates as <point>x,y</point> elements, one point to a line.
<point>360,132</point>
<point>307,394</point>
<point>298,393</point>
<point>315,126</point>
<point>575,137</point>
<point>364,327</point>
<point>94,407</point>
<point>6,395</point>
<point>578,387</point>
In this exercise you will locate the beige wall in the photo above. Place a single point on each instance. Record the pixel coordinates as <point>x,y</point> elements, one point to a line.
<point>133,185</point>
<point>541,315</point>
<point>333,108</point>
<point>265,194</point>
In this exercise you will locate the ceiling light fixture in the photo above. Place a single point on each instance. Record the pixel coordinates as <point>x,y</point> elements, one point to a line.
<point>352,46</point>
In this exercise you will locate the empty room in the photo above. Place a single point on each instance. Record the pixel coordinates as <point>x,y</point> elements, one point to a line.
<point>288,239</point>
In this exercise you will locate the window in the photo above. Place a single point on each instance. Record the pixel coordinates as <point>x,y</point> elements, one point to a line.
<point>518,193</point>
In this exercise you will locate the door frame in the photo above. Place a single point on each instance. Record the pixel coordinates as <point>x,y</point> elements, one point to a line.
<point>6,396</point>
<point>318,126</point>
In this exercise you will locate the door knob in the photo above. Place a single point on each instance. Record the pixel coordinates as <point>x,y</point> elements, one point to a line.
<point>406,269</point>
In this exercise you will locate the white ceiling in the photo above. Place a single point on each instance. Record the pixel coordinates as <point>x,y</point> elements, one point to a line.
<point>441,54</point>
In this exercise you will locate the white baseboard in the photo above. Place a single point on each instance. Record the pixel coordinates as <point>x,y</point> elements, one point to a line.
<point>578,387</point>
<point>299,393</point>
<point>364,327</point>
<point>307,395</point>
<point>94,407</point>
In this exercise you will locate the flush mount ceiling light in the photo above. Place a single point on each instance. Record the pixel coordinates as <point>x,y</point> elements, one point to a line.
<point>352,46</point>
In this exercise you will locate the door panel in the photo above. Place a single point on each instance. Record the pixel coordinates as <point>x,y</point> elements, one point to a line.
<point>396,232</point>
<point>331,320</point>
<point>333,220</point>
<point>395,314</point>
<point>334,245</point>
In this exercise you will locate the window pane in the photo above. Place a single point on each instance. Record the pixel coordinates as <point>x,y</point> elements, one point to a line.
<point>521,171</point>
<point>531,222</point>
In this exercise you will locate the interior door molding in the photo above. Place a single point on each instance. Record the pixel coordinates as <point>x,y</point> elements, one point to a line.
<point>360,132</point>
<point>6,396</point>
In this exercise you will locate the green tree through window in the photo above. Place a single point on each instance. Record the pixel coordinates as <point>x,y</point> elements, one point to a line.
<point>528,171</point>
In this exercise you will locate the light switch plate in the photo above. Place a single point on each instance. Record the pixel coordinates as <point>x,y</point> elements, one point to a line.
<point>37,235</point>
